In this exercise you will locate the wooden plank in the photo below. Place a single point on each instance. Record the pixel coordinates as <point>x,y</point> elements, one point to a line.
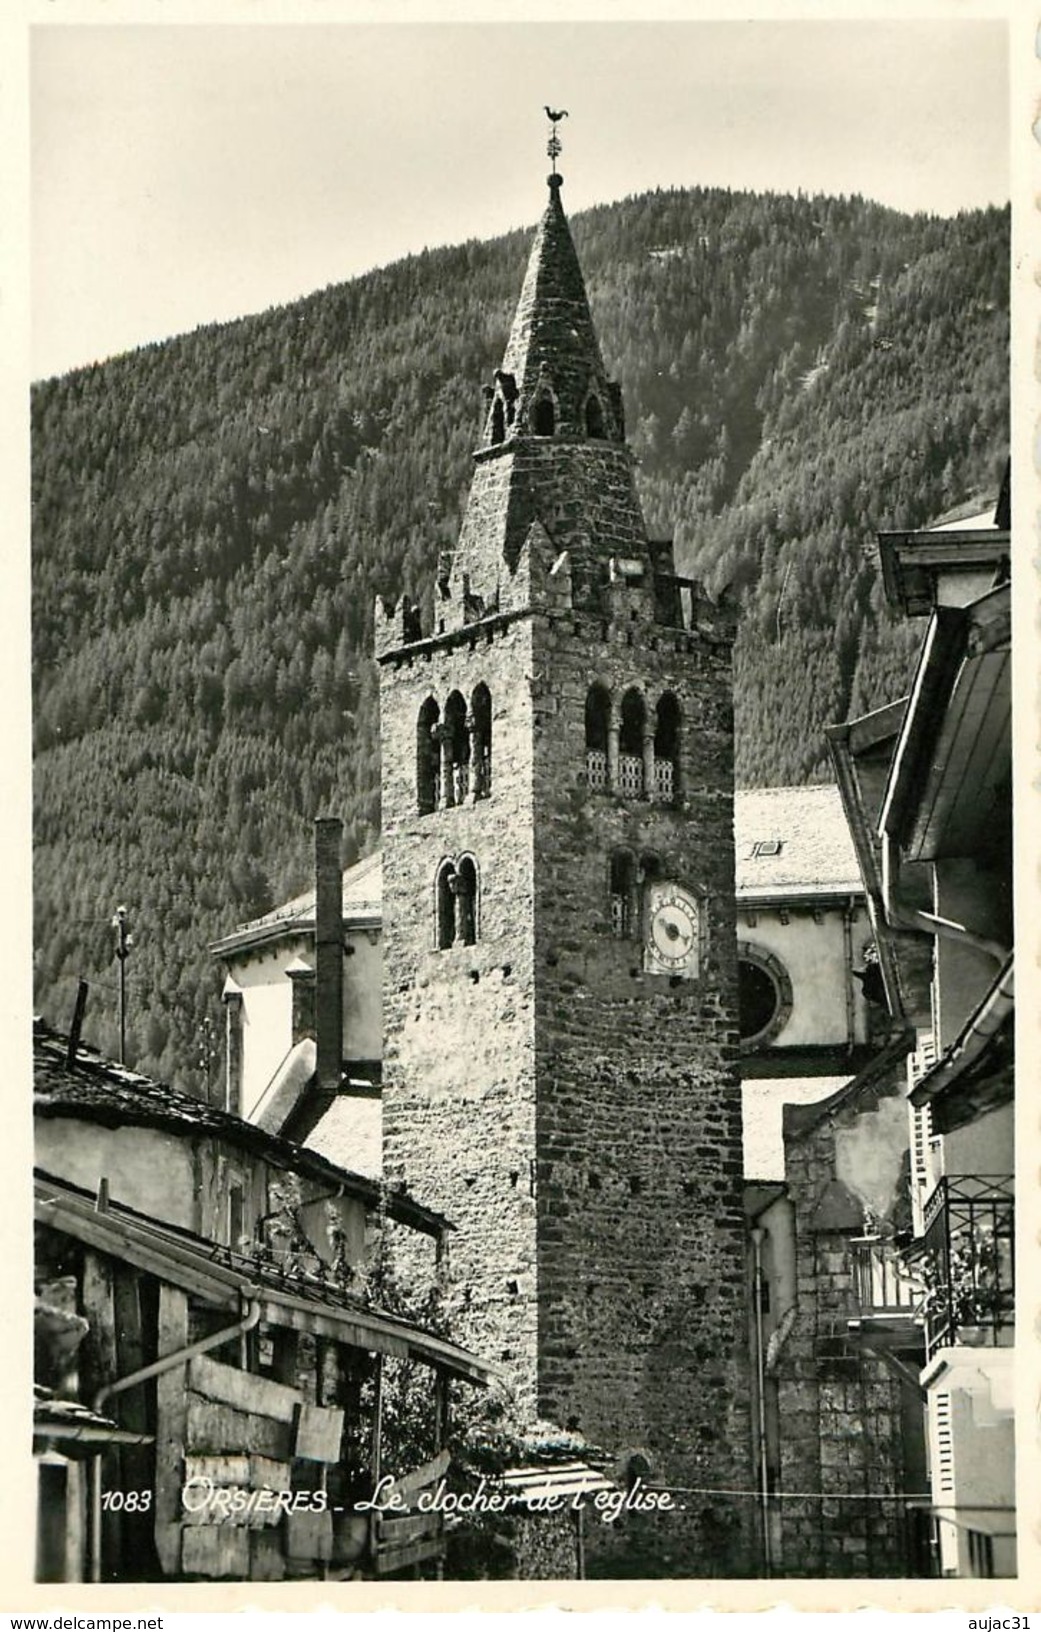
<point>265,1473</point>
<point>430,1472</point>
<point>394,1532</point>
<point>106,1233</point>
<point>219,1470</point>
<point>309,1535</point>
<point>233,1505</point>
<point>101,1366</point>
<point>400,1558</point>
<point>214,1429</point>
<point>242,1389</point>
<point>266,1558</point>
<point>171,1421</point>
<point>131,1410</point>
<point>216,1552</point>
<point>319,1433</point>
<point>253,1472</point>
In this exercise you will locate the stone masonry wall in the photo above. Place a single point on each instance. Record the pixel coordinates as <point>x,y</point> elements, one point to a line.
<point>842,1412</point>
<point>643,1336</point>
<point>582,492</point>
<point>458,1068</point>
<point>577,1119</point>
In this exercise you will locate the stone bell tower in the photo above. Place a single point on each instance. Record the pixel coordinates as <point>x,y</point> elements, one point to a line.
<point>559,944</point>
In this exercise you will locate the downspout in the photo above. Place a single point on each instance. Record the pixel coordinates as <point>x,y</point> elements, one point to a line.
<point>760,1372</point>
<point>848,914</point>
<point>166,1363</point>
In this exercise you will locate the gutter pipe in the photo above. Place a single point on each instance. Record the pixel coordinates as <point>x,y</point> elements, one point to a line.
<point>166,1362</point>
<point>764,1479</point>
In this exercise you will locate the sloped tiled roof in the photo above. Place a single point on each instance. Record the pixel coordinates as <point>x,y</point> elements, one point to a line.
<point>100,1091</point>
<point>362,904</point>
<point>816,855</point>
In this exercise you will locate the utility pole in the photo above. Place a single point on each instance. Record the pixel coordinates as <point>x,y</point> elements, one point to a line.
<point>207,1053</point>
<point>124,942</point>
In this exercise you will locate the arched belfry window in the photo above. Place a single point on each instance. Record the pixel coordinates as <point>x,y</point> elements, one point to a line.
<point>598,721</point>
<point>455,903</point>
<point>498,432</point>
<point>444,906</point>
<point>456,759</point>
<point>624,914</point>
<point>481,741</point>
<point>594,416</point>
<point>544,417</point>
<point>427,757</point>
<point>667,748</point>
<point>631,734</point>
<point>465,886</point>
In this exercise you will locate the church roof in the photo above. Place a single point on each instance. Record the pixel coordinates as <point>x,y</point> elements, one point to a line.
<point>362,908</point>
<point>793,842</point>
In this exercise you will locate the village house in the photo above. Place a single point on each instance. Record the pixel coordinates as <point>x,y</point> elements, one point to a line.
<point>216,1357</point>
<point>927,787</point>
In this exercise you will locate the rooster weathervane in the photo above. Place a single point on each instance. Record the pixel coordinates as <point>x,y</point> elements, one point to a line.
<point>553,146</point>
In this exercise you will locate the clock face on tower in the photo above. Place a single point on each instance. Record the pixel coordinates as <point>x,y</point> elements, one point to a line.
<point>672,944</point>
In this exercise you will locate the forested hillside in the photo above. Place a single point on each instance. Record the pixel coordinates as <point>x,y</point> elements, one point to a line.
<point>214,516</point>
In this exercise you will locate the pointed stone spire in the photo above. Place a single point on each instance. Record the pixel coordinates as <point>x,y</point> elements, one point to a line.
<point>552,379</point>
<point>553,449</point>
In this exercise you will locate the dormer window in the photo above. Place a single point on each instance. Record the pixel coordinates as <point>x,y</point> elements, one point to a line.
<point>766,847</point>
<point>594,417</point>
<point>544,418</point>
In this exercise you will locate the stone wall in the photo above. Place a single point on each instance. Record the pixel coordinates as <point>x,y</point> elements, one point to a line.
<point>850,1426</point>
<point>577,1118</point>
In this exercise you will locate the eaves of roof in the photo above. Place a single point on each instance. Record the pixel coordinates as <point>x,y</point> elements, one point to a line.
<point>956,636</point>
<point>267,931</point>
<point>985,1035</point>
<point>101,1092</point>
<point>224,1279</point>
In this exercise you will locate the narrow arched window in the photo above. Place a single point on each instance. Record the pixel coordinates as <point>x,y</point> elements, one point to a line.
<point>623,894</point>
<point>481,741</point>
<point>630,745</point>
<point>648,870</point>
<point>598,720</point>
<point>544,419</point>
<point>444,906</point>
<point>498,420</point>
<point>667,748</point>
<point>465,886</point>
<point>457,744</point>
<point>594,416</point>
<point>427,756</point>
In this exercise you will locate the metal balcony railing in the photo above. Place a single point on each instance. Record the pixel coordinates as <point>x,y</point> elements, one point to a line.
<point>882,1283</point>
<point>966,1263</point>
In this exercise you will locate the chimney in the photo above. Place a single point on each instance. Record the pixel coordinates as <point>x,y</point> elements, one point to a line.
<point>328,947</point>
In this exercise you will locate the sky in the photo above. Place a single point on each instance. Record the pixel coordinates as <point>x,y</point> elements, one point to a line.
<point>190,174</point>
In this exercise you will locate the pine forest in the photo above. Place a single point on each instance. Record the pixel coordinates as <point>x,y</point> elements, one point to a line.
<point>213,517</point>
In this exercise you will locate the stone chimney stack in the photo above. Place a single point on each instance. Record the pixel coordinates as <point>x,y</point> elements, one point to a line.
<point>328,945</point>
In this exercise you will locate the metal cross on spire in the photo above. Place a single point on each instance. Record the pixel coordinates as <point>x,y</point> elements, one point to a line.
<point>553,146</point>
